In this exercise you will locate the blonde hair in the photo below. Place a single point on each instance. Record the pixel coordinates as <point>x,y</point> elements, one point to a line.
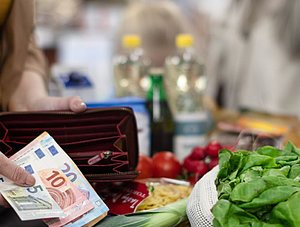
<point>157,23</point>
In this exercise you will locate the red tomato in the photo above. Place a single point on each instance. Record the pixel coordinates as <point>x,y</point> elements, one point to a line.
<point>145,167</point>
<point>213,163</point>
<point>212,148</point>
<point>166,164</point>
<point>198,153</point>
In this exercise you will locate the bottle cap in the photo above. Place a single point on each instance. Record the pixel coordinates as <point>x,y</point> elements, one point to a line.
<point>184,40</point>
<point>131,41</point>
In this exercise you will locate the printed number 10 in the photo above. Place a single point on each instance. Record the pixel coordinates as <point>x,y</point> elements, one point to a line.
<point>57,180</point>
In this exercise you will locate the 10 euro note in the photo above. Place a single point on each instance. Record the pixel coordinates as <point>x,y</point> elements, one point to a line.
<point>53,151</point>
<point>66,194</point>
<point>30,203</point>
<point>70,199</point>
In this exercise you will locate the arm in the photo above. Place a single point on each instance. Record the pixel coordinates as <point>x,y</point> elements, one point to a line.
<point>31,92</point>
<point>23,78</point>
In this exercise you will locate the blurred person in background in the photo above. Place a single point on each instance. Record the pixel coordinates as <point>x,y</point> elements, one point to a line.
<point>23,69</point>
<point>23,75</point>
<point>157,23</point>
<point>253,57</point>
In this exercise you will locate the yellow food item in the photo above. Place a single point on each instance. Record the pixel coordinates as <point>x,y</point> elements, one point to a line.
<point>164,194</point>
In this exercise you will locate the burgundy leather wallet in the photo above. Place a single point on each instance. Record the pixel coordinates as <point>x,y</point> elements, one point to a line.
<point>101,141</point>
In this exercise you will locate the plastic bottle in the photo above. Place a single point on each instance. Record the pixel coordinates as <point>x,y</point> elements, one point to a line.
<point>185,83</point>
<point>162,123</point>
<point>131,69</point>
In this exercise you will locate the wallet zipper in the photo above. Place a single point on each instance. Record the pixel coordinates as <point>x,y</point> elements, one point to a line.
<point>99,157</point>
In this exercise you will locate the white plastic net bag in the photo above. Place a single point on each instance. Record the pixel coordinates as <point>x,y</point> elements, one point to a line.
<point>203,197</point>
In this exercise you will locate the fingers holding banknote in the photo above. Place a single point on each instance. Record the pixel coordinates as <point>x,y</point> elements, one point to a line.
<point>17,174</point>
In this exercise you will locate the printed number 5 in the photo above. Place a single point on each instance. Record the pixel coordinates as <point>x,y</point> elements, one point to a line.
<point>34,189</point>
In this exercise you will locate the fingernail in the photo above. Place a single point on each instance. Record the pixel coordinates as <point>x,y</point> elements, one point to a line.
<point>30,180</point>
<point>80,104</point>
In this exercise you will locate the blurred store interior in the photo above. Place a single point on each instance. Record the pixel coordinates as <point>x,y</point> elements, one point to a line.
<point>82,35</point>
<point>250,49</point>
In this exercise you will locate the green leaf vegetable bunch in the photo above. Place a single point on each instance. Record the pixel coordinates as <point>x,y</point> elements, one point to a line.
<point>258,188</point>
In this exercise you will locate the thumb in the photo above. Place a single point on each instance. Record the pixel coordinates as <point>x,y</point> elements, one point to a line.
<point>14,172</point>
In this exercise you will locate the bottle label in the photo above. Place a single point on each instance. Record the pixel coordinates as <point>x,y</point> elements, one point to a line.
<point>143,125</point>
<point>183,145</point>
<point>190,131</point>
<point>191,124</point>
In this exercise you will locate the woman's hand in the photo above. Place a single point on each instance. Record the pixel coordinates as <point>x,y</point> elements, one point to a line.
<point>73,103</point>
<point>31,94</point>
<point>17,174</point>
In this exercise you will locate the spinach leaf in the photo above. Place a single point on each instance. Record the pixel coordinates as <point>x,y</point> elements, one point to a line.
<point>245,192</point>
<point>292,148</point>
<point>270,151</point>
<point>280,181</point>
<point>295,171</point>
<point>224,190</point>
<point>288,211</point>
<point>259,160</point>
<point>251,174</point>
<point>229,214</point>
<point>224,164</point>
<point>282,172</point>
<point>271,196</point>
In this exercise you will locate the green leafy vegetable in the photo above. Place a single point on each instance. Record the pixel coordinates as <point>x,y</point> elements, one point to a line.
<point>295,171</point>
<point>246,191</point>
<point>258,188</point>
<point>282,172</point>
<point>288,211</point>
<point>271,196</point>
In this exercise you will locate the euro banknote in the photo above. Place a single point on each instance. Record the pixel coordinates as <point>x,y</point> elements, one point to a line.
<point>30,202</point>
<point>71,200</point>
<point>54,152</point>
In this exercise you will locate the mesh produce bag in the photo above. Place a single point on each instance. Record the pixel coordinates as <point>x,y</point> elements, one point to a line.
<point>203,197</point>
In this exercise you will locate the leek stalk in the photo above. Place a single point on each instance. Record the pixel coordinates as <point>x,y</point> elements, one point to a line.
<point>167,216</point>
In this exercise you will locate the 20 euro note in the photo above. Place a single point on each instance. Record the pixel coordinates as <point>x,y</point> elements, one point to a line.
<point>72,201</point>
<point>53,151</point>
<point>29,202</point>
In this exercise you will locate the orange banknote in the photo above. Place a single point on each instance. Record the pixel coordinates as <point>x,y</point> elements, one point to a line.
<point>66,194</point>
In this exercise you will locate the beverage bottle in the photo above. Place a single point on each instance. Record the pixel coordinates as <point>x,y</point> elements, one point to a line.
<point>131,69</point>
<point>162,124</point>
<point>185,85</point>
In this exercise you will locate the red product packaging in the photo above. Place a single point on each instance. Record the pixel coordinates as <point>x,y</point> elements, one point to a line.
<point>123,198</point>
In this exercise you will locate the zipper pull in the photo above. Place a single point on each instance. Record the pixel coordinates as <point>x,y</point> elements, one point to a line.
<point>99,157</point>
